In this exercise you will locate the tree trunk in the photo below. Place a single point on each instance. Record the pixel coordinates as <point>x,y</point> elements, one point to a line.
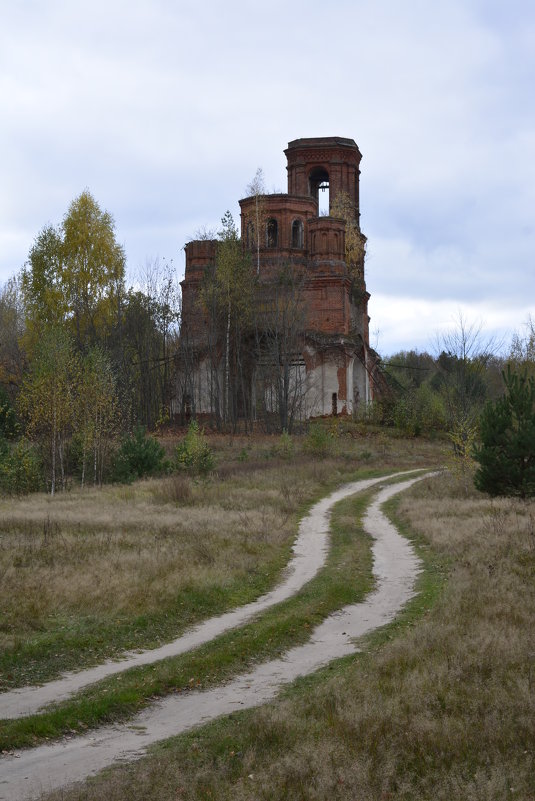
<point>227,368</point>
<point>53,482</point>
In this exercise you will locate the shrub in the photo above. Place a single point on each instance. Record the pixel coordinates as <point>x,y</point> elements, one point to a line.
<point>243,455</point>
<point>317,441</point>
<point>461,462</point>
<point>138,455</point>
<point>284,448</point>
<point>378,412</point>
<point>404,416</point>
<point>430,409</point>
<point>175,488</point>
<point>193,453</point>
<point>417,410</point>
<point>20,468</point>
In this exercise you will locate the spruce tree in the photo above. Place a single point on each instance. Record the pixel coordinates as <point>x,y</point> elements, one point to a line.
<point>506,454</point>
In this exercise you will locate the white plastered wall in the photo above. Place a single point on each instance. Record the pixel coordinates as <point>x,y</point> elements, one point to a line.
<point>322,382</point>
<point>360,384</point>
<point>203,387</point>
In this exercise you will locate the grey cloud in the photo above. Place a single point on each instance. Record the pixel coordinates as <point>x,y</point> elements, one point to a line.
<point>164,111</point>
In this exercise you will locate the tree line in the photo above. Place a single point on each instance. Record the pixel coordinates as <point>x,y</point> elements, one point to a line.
<point>483,401</point>
<point>84,359</point>
<point>446,390</point>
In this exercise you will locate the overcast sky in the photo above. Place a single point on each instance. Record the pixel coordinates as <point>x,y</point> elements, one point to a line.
<point>164,110</point>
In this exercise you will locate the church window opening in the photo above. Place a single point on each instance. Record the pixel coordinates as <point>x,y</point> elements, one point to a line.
<point>334,404</point>
<point>318,183</point>
<point>272,234</point>
<point>297,234</point>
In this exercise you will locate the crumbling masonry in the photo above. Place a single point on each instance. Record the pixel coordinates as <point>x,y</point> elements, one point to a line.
<point>332,366</point>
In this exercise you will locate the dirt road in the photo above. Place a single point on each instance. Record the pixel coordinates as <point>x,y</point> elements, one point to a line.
<point>309,554</point>
<point>28,773</point>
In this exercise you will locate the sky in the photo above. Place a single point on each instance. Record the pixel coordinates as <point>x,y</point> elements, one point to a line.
<point>164,111</point>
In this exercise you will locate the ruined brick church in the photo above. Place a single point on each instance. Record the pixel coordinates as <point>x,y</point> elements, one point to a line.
<point>328,365</point>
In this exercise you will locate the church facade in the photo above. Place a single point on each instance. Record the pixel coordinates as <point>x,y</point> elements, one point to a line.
<point>326,359</point>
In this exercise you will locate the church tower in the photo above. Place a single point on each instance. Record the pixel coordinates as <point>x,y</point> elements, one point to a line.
<point>328,163</point>
<point>288,234</point>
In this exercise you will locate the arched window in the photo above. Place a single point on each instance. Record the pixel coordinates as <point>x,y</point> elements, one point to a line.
<point>272,234</point>
<point>318,187</point>
<point>297,234</point>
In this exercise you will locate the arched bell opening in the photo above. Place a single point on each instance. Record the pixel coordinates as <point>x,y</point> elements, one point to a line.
<point>318,187</point>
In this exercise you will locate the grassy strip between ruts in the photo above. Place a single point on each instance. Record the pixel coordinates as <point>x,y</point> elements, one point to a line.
<point>346,578</point>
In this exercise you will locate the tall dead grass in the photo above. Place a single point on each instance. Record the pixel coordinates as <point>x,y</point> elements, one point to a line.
<point>125,559</point>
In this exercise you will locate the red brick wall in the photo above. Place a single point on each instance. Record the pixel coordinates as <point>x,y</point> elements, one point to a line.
<point>339,157</point>
<point>321,258</point>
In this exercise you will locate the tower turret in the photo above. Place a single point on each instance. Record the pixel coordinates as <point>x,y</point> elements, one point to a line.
<point>318,163</point>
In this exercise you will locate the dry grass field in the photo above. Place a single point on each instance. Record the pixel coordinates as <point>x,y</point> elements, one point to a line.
<point>89,574</point>
<point>440,704</point>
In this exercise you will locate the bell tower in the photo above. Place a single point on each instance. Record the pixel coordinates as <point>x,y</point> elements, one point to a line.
<point>317,163</point>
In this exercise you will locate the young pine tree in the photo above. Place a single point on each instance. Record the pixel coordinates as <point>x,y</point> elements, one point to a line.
<point>506,455</point>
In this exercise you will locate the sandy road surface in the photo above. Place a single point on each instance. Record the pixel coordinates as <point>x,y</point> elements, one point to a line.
<point>28,773</point>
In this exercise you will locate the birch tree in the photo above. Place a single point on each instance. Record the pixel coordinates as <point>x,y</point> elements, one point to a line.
<point>93,269</point>
<point>234,285</point>
<point>47,398</point>
<point>257,190</point>
<point>523,347</point>
<point>280,323</point>
<point>160,285</point>
<point>41,285</point>
<point>74,275</point>
<point>463,357</point>
<point>226,298</point>
<point>97,412</point>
